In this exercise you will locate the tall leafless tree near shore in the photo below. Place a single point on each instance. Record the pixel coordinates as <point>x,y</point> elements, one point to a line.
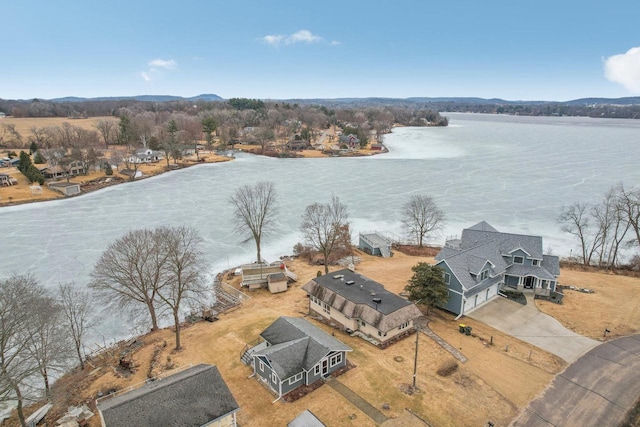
<point>182,271</point>
<point>323,225</point>
<point>48,342</point>
<point>575,219</point>
<point>17,365</point>
<point>421,216</point>
<point>129,272</point>
<point>77,309</point>
<point>255,209</point>
<point>602,228</point>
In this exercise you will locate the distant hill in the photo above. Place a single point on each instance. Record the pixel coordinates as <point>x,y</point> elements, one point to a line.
<point>147,98</point>
<point>459,100</point>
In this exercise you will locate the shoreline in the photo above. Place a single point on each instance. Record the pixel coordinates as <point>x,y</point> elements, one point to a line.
<point>100,182</point>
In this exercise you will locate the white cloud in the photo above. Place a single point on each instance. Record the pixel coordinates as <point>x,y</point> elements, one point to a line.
<point>335,43</point>
<point>155,68</point>
<point>168,64</point>
<point>302,36</point>
<point>624,68</point>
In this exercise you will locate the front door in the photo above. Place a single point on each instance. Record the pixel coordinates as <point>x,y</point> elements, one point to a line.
<point>528,282</point>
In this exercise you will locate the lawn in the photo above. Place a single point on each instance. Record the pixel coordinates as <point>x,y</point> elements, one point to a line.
<point>492,385</point>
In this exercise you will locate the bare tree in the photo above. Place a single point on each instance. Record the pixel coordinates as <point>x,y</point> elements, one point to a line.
<point>47,343</point>
<point>630,206</point>
<point>16,363</point>
<point>255,209</point>
<point>77,309</point>
<point>182,277</point>
<point>421,216</point>
<point>574,219</point>
<point>323,225</point>
<point>129,272</point>
<point>108,130</point>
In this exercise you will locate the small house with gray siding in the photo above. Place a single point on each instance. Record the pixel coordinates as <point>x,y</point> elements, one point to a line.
<point>484,261</point>
<point>295,353</point>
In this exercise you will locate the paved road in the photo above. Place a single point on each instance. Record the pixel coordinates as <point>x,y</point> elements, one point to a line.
<point>597,390</point>
<point>527,323</point>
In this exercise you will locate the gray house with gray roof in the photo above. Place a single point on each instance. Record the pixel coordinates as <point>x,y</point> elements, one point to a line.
<point>194,397</point>
<point>484,261</point>
<point>295,353</point>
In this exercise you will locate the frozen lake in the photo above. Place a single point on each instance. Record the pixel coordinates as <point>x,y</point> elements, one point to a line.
<point>514,172</point>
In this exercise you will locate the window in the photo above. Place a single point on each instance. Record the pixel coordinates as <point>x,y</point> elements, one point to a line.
<point>274,378</point>
<point>326,308</point>
<point>316,370</point>
<point>295,378</point>
<point>518,260</point>
<point>484,275</point>
<point>261,366</point>
<point>404,325</point>
<point>447,278</point>
<point>534,262</point>
<point>381,334</point>
<point>362,323</point>
<point>335,359</point>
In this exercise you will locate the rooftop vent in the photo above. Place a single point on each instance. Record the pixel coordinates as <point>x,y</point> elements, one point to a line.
<point>349,282</point>
<point>377,300</point>
<point>339,276</point>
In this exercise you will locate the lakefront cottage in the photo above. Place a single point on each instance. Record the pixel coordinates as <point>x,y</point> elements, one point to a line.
<point>294,353</point>
<point>361,305</point>
<point>484,261</point>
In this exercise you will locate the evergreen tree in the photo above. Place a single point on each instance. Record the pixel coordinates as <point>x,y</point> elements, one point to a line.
<point>427,286</point>
<point>39,158</point>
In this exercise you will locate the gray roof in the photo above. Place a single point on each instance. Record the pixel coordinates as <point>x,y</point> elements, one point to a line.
<point>192,397</point>
<point>352,295</point>
<point>362,290</point>
<point>296,345</point>
<point>481,243</point>
<point>306,419</point>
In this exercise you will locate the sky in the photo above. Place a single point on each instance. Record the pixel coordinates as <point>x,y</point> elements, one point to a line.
<point>537,50</point>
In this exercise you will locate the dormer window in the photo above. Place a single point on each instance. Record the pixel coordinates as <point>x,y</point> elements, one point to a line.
<point>518,260</point>
<point>535,262</point>
<point>484,275</point>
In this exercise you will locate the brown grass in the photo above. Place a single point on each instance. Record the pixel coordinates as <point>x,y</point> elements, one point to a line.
<point>24,125</point>
<point>493,384</point>
<point>614,305</point>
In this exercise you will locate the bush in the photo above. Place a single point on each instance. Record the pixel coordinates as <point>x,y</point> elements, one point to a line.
<point>447,368</point>
<point>108,170</point>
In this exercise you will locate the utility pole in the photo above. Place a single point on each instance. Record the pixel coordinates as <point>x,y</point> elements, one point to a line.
<point>415,360</point>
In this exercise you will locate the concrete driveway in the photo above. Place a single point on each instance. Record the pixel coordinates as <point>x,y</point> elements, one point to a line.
<point>527,323</point>
<point>597,390</point>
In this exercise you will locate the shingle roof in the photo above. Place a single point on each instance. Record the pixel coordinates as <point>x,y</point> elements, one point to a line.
<point>189,398</point>
<point>352,295</point>
<point>481,243</point>
<point>296,344</point>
